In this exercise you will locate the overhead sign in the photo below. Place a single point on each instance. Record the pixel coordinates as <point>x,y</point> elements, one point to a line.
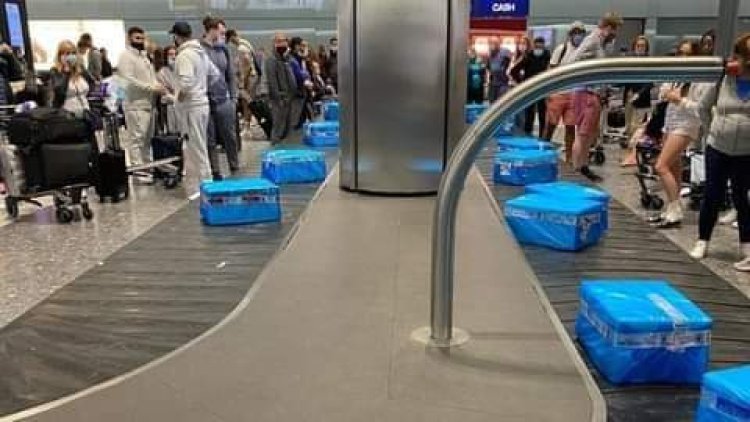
<point>488,9</point>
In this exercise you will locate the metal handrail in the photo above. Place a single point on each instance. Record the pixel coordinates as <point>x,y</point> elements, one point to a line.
<point>616,70</point>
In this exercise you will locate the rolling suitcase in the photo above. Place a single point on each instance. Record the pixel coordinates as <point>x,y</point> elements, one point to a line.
<point>165,146</point>
<point>111,168</point>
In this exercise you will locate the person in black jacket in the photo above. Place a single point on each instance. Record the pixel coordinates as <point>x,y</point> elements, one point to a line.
<point>69,82</point>
<point>10,71</point>
<point>537,62</point>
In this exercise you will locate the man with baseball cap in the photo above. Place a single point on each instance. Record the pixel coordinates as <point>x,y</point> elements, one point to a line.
<point>193,67</point>
<point>560,105</point>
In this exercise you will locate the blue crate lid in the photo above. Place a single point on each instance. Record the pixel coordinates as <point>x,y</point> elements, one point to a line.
<point>731,384</point>
<point>298,154</point>
<point>569,190</point>
<point>475,107</point>
<point>543,203</point>
<point>235,186</point>
<point>642,306</point>
<point>524,143</point>
<point>526,155</point>
<point>325,125</point>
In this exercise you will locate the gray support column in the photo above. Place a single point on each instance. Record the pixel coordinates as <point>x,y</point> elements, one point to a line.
<point>726,29</point>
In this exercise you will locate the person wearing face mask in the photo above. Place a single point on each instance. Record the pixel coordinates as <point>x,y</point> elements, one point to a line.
<point>222,97</point>
<point>168,78</point>
<point>498,62</point>
<point>537,62</point>
<point>282,88</point>
<point>69,82</point>
<point>332,63</point>
<point>193,69</point>
<point>297,61</point>
<point>560,105</point>
<point>587,101</point>
<point>728,152</point>
<point>141,91</point>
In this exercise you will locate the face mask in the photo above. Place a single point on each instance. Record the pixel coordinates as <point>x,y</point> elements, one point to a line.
<point>538,52</point>
<point>71,59</point>
<point>281,50</point>
<point>138,45</point>
<point>171,62</point>
<point>221,42</point>
<point>577,39</point>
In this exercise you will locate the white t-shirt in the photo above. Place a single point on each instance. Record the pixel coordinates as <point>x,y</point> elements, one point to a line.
<point>558,57</point>
<point>76,97</point>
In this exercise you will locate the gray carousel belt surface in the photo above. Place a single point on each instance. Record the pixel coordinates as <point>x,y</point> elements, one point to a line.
<point>631,249</point>
<point>154,295</point>
<point>325,333</point>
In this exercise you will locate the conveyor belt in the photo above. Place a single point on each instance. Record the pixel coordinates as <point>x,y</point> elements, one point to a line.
<point>632,249</point>
<point>159,292</point>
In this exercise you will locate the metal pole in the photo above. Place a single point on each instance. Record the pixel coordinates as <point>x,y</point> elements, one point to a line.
<point>621,70</point>
<point>726,27</point>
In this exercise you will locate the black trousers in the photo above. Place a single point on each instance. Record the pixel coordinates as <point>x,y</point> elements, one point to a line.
<point>475,96</point>
<point>540,109</point>
<point>721,169</point>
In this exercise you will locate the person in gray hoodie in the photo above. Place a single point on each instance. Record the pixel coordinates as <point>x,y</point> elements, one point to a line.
<point>222,97</point>
<point>728,154</point>
<point>193,68</point>
<point>282,88</point>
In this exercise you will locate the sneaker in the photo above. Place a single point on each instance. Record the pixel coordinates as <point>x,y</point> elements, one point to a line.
<point>728,218</point>
<point>587,173</point>
<point>743,266</point>
<point>144,179</point>
<point>736,225</point>
<point>699,250</point>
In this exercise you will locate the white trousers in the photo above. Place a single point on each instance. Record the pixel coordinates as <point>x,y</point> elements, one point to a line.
<point>194,121</point>
<point>140,124</point>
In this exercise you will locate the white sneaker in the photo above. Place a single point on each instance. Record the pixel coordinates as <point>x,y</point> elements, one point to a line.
<point>743,265</point>
<point>729,218</point>
<point>699,250</point>
<point>736,225</point>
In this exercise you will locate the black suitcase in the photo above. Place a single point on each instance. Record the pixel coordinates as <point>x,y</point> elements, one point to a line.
<point>165,145</point>
<point>262,114</point>
<point>111,167</point>
<point>67,164</point>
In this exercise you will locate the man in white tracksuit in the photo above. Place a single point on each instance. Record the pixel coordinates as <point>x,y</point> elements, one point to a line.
<point>141,89</point>
<point>193,66</point>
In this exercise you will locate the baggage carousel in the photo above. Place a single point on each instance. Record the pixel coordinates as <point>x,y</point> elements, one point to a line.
<point>632,249</point>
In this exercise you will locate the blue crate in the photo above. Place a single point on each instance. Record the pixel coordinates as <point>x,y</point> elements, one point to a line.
<point>643,332</point>
<point>239,201</point>
<point>521,168</point>
<point>331,111</point>
<point>473,112</point>
<point>522,143</point>
<point>322,134</point>
<point>574,190</point>
<point>725,396</point>
<point>287,166</point>
<point>561,224</point>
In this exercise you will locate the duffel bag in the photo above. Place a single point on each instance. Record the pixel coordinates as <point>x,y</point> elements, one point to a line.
<point>47,125</point>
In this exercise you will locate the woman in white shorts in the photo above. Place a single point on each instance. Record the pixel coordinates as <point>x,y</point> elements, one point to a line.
<point>682,127</point>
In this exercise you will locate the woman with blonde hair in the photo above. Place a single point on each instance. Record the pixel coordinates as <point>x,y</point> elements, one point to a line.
<point>69,82</point>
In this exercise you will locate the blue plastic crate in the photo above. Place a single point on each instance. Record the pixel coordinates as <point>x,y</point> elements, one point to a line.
<point>574,190</point>
<point>473,112</point>
<point>643,332</point>
<point>239,201</point>
<point>521,168</point>
<point>322,134</point>
<point>331,111</point>
<point>725,396</point>
<point>561,224</point>
<point>521,143</point>
<point>287,166</point>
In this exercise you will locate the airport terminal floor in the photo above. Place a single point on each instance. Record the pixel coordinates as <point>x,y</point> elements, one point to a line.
<point>142,314</point>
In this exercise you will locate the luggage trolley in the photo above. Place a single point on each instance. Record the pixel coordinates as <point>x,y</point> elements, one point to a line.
<point>65,198</point>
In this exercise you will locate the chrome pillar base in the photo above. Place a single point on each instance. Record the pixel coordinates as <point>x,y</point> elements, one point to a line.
<point>424,336</point>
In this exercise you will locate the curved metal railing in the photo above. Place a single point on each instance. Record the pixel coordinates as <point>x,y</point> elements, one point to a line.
<point>619,70</point>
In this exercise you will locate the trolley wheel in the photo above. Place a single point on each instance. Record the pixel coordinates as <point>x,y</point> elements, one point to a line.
<point>599,158</point>
<point>86,212</point>
<point>171,182</point>
<point>624,144</point>
<point>11,206</point>
<point>652,202</point>
<point>64,215</point>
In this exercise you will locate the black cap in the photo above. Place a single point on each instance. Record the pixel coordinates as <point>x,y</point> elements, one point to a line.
<point>181,29</point>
